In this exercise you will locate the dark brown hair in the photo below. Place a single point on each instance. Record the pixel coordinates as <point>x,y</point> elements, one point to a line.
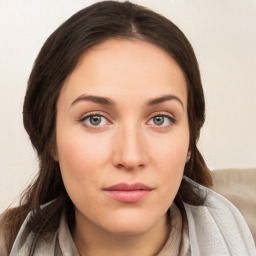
<point>56,60</point>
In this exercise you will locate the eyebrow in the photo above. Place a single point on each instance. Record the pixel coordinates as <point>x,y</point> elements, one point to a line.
<point>163,99</point>
<point>95,99</point>
<point>108,102</point>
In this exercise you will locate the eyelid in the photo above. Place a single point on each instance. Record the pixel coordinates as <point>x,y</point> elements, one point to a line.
<point>164,127</point>
<point>94,113</point>
<point>162,113</point>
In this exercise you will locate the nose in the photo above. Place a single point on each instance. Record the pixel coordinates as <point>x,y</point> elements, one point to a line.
<point>129,148</point>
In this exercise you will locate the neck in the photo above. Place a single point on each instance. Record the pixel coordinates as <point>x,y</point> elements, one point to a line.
<point>92,240</point>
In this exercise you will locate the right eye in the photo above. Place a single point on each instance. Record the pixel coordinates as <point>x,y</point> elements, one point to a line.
<point>94,120</point>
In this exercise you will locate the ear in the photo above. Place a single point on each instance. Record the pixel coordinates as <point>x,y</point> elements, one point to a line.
<point>188,156</point>
<point>55,155</point>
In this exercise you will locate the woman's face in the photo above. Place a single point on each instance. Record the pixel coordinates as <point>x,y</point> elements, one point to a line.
<point>123,136</point>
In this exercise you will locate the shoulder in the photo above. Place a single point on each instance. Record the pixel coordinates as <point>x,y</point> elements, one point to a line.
<point>44,243</point>
<point>20,241</point>
<point>26,240</point>
<point>217,227</point>
<point>3,248</point>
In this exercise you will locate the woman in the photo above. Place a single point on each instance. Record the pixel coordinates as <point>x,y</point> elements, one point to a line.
<point>114,108</point>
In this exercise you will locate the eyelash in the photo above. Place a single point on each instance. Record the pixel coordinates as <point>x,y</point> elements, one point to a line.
<point>82,120</point>
<point>171,119</point>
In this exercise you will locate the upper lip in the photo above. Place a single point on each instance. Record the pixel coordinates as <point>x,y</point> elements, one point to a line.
<point>128,187</point>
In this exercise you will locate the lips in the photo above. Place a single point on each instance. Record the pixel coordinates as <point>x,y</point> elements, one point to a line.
<point>128,193</point>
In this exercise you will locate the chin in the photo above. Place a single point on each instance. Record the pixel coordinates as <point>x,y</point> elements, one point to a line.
<point>133,224</point>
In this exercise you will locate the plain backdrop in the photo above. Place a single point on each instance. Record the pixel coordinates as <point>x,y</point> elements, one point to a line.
<point>223,34</point>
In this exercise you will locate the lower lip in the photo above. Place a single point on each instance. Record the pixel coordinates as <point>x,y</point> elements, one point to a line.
<point>128,196</point>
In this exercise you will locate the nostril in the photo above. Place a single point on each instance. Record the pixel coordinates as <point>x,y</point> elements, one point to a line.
<point>130,167</point>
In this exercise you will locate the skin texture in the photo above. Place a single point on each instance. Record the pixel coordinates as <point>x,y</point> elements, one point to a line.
<point>127,146</point>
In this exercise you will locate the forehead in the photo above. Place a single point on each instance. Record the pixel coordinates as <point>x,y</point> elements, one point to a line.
<point>125,68</point>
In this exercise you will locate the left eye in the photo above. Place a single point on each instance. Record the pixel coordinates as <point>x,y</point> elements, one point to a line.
<point>161,120</point>
<point>95,120</point>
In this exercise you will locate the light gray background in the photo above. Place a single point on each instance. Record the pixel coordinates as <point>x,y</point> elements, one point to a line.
<point>223,34</point>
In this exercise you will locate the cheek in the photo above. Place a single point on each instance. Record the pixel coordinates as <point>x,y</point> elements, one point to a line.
<point>170,159</point>
<point>172,152</point>
<point>79,154</point>
<point>81,158</point>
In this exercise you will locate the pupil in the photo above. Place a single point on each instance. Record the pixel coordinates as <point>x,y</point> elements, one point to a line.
<point>95,120</point>
<point>158,120</point>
